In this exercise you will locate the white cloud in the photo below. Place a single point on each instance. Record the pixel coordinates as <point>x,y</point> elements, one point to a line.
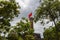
<point>23,3</point>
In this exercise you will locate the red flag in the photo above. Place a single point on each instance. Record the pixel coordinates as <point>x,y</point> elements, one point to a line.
<point>29,15</point>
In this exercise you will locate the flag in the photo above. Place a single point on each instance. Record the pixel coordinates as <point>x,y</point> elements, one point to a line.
<point>29,15</point>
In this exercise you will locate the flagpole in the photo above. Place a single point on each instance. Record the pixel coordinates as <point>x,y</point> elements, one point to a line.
<point>31,22</point>
<point>31,19</point>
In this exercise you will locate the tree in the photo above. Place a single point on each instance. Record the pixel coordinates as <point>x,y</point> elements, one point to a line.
<point>50,9</point>
<point>8,10</point>
<point>49,33</point>
<point>24,30</point>
<point>12,35</point>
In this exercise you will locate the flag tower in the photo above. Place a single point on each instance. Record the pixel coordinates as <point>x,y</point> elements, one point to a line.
<point>30,19</point>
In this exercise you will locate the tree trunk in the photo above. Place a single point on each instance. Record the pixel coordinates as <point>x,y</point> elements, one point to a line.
<point>56,32</point>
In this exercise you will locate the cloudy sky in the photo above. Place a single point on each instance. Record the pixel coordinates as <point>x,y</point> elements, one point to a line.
<point>28,6</point>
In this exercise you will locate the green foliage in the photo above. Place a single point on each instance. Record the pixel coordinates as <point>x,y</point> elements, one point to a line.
<point>22,31</point>
<point>13,35</point>
<point>48,9</point>
<point>0,38</point>
<point>8,10</point>
<point>29,37</point>
<point>49,33</point>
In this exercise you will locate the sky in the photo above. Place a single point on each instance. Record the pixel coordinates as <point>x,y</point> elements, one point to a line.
<point>28,6</point>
